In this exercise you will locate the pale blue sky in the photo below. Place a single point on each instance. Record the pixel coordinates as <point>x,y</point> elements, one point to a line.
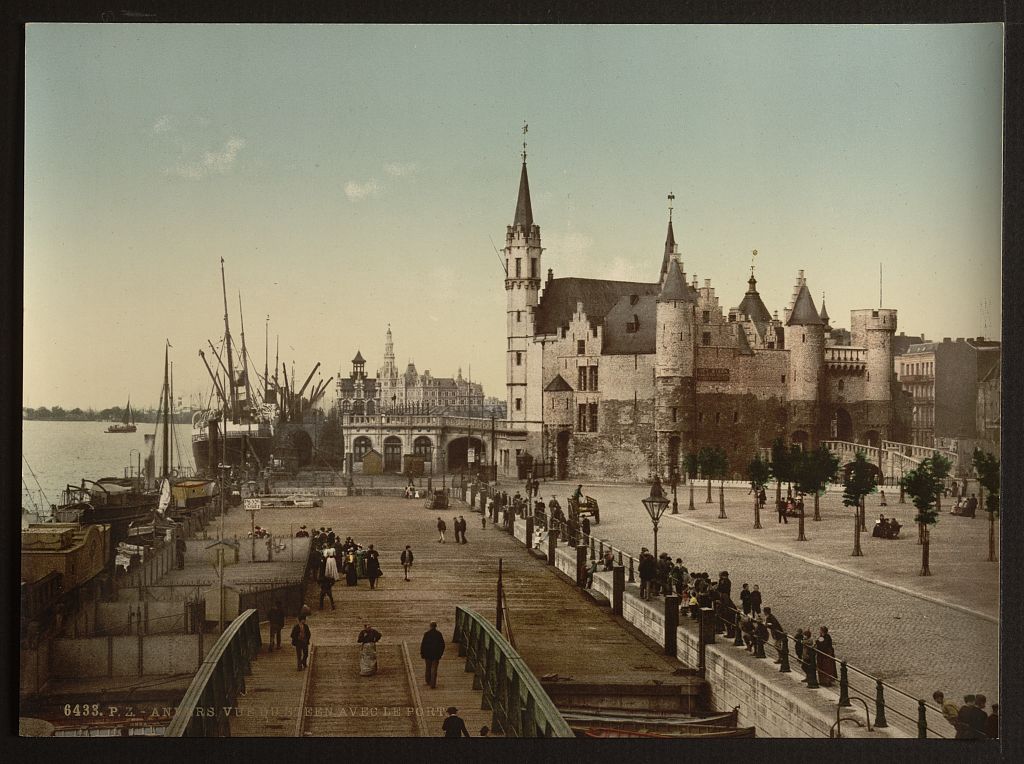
<point>353,176</point>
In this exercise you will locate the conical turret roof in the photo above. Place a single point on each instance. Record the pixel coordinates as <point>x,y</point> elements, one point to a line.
<point>359,358</point>
<point>752,306</point>
<point>804,313</point>
<point>675,288</point>
<point>670,249</point>
<point>824,313</point>
<point>524,210</point>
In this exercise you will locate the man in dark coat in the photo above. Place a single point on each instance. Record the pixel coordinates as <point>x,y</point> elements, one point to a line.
<point>647,568</point>
<point>970,720</point>
<point>462,528</point>
<point>454,726</point>
<point>755,601</point>
<point>276,618</point>
<point>431,650</point>
<point>724,584</point>
<point>407,559</point>
<point>373,571</point>
<point>300,639</point>
<point>776,631</point>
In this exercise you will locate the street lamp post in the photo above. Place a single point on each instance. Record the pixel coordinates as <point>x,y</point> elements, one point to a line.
<point>675,485</point>
<point>655,504</point>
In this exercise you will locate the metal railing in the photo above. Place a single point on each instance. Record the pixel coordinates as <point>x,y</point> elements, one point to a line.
<point>219,681</point>
<point>520,706</point>
<point>726,621</point>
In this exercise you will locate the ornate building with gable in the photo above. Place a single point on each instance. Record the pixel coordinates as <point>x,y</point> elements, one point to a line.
<point>619,379</point>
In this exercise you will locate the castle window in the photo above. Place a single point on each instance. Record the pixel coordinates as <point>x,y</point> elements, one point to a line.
<point>718,417</point>
<point>581,347</point>
<point>706,316</point>
<point>700,417</point>
<point>634,299</point>
<point>519,316</point>
<point>593,417</point>
<point>841,385</point>
<point>732,317</point>
<point>581,417</point>
<point>593,377</point>
<point>533,267</point>
<point>519,358</point>
<point>519,267</point>
<point>783,378</point>
<point>803,336</point>
<point>633,326</point>
<point>581,385</point>
<point>705,338</point>
<point>735,416</point>
<point>675,414</point>
<point>771,345</point>
<point>519,404</point>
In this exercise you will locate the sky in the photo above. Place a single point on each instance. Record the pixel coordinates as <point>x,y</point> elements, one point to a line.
<point>358,176</point>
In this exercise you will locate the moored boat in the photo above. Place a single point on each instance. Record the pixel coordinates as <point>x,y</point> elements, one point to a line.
<point>128,424</point>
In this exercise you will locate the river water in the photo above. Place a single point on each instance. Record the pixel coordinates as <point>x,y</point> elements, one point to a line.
<point>65,452</point>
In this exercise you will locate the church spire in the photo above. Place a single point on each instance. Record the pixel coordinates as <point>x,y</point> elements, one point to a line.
<point>670,241</point>
<point>524,210</point>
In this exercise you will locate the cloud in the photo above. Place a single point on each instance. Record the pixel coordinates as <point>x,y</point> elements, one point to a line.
<point>218,162</point>
<point>163,123</point>
<point>356,191</point>
<point>400,169</point>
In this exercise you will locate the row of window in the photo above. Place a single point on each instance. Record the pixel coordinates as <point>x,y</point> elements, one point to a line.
<point>422,446</point>
<point>587,378</point>
<point>533,268</point>
<point>586,417</point>
<point>923,367</point>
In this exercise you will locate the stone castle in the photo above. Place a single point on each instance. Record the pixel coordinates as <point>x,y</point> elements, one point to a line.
<point>619,380</point>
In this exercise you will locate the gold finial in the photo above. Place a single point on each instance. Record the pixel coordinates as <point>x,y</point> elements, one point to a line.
<point>671,198</point>
<point>525,128</point>
<point>753,254</point>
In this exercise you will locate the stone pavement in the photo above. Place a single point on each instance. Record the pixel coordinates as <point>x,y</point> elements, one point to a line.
<point>918,645</point>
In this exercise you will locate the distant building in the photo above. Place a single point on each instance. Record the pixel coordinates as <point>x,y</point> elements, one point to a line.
<point>988,412</point>
<point>943,379</point>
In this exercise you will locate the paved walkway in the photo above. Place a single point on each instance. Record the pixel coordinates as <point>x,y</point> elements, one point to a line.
<point>916,644</point>
<point>547,629</point>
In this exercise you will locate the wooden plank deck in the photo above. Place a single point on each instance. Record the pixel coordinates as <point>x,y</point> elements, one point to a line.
<point>550,619</point>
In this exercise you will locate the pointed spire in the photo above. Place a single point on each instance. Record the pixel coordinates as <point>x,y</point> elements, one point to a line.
<point>670,241</point>
<point>675,287</point>
<point>524,210</point>
<point>804,313</point>
<point>824,313</point>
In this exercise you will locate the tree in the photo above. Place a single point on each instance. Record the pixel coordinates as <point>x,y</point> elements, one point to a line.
<point>940,466</point>
<point>858,483</point>
<point>782,466</point>
<point>706,462</point>
<point>719,468</point>
<point>692,465</point>
<point>924,485</point>
<point>759,472</point>
<point>813,471</point>
<point>987,467</point>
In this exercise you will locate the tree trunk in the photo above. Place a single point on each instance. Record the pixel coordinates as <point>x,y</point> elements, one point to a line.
<point>863,513</point>
<point>721,499</point>
<point>992,537</point>
<point>856,535</point>
<point>757,509</point>
<point>924,554</point>
<point>709,492</point>
<point>778,493</point>
<point>817,511</point>
<point>691,496</point>
<point>801,537</point>
<point>920,533</point>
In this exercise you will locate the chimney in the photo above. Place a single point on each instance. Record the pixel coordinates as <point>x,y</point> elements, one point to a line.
<point>551,274</point>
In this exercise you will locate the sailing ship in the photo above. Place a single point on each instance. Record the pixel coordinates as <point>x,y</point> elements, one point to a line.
<point>128,425</point>
<point>247,430</point>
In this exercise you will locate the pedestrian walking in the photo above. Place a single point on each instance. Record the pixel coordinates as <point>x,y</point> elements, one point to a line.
<point>826,657</point>
<point>368,638</point>
<point>300,639</point>
<point>462,525</point>
<point>798,644</point>
<point>647,568</point>
<point>745,598</point>
<point>373,571</point>
<point>881,495</point>
<point>431,650</point>
<point>276,618</point>
<point>781,507</point>
<point>441,528</point>
<point>327,577</point>
<point>457,528</point>
<point>407,558</point>
<point>949,708</point>
<point>755,601</point>
<point>454,726</point>
<point>483,515</point>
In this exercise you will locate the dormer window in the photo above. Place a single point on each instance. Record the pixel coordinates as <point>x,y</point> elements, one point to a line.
<point>633,326</point>
<point>634,299</point>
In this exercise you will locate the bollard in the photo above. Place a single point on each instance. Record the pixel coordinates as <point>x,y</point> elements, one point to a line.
<point>618,587</point>
<point>844,686</point>
<point>671,624</point>
<point>620,557</point>
<point>581,566</point>
<point>784,655</point>
<point>880,721</point>
<point>552,546</point>
<point>738,636</point>
<point>707,626</point>
<point>631,578</point>
<point>922,720</point>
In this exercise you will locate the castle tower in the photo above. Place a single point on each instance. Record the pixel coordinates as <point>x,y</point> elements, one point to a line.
<point>675,392</point>
<point>873,329</point>
<point>522,284</point>
<point>805,339</point>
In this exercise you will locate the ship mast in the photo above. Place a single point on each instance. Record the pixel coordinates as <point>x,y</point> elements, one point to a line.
<point>227,337</point>
<point>165,469</point>
<point>245,354</point>
<point>266,359</point>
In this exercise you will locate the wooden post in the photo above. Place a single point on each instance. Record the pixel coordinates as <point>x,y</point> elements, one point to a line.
<point>671,624</point>
<point>618,587</point>
<point>529,532</point>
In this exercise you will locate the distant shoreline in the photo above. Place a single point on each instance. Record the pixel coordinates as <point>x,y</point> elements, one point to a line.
<point>139,419</point>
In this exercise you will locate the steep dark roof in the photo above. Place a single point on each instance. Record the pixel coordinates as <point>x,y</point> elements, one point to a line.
<point>524,210</point>
<point>359,358</point>
<point>987,361</point>
<point>558,385</point>
<point>804,313</point>
<point>641,313</point>
<point>741,339</point>
<point>675,288</point>
<point>347,386</point>
<point>670,248</point>
<point>558,301</point>
<point>824,313</point>
<point>752,306</point>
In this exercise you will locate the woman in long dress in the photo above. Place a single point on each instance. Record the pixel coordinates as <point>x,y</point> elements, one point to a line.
<point>368,639</point>
<point>826,658</point>
<point>351,577</point>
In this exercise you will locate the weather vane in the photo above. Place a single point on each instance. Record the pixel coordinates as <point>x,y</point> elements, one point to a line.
<point>753,254</point>
<point>525,128</point>
<point>671,198</point>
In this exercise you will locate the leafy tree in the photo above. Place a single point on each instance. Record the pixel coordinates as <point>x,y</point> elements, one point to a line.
<point>691,464</point>
<point>716,466</point>
<point>759,472</point>
<point>924,485</point>
<point>706,463</point>
<point>987,467</point>
<point>782,466</point>
<point>815,470</point>
<point>858,483</point>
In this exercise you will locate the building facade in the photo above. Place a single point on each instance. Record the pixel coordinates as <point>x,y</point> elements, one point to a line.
<point>619,380</point>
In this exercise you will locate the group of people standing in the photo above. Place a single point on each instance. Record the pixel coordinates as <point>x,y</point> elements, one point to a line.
<point>459,526</point>
<point>970,720</point>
